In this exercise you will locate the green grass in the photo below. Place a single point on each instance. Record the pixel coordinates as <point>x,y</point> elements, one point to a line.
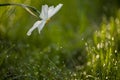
<point>103,54</point>
<point>70,47</point>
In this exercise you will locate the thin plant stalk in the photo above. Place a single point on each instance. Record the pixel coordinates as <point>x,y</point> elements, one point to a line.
<point>30,9</point>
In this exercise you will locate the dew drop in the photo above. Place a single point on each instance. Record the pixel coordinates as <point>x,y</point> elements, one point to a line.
<point>115,51</point>
<point>97,56</point>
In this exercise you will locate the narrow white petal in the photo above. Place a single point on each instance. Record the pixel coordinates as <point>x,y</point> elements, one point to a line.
<point>55,10</point>
<point>36,24</point>
<point>50,9</point>
<point>44,12</point>
<point>40,27</point>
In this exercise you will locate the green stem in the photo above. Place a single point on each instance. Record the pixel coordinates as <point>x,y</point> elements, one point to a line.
<point>26,7</point>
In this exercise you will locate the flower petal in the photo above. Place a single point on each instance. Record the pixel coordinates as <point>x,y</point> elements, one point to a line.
<point>50,9</point>
<point>54,10</point>
<point>40,27</point>
<point>36,24</point>
<point>44,12</point>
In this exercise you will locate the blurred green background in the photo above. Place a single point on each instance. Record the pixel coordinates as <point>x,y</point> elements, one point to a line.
<point>80,42</point>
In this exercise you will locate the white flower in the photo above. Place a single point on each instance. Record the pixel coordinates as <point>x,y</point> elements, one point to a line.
<point>46,14</point>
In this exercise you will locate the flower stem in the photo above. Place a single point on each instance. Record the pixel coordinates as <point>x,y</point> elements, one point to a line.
<point>30,9</point>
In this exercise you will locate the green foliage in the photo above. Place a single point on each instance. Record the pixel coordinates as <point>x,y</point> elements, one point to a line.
<point>103,55</point>
<point>70,47</point>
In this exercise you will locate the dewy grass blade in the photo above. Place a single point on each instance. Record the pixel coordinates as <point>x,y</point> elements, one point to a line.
<point>30,9</point>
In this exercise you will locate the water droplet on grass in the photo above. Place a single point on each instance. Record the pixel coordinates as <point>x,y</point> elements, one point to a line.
<point>115,51</point>
<point>97,56</point>
<point>112,38</point>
